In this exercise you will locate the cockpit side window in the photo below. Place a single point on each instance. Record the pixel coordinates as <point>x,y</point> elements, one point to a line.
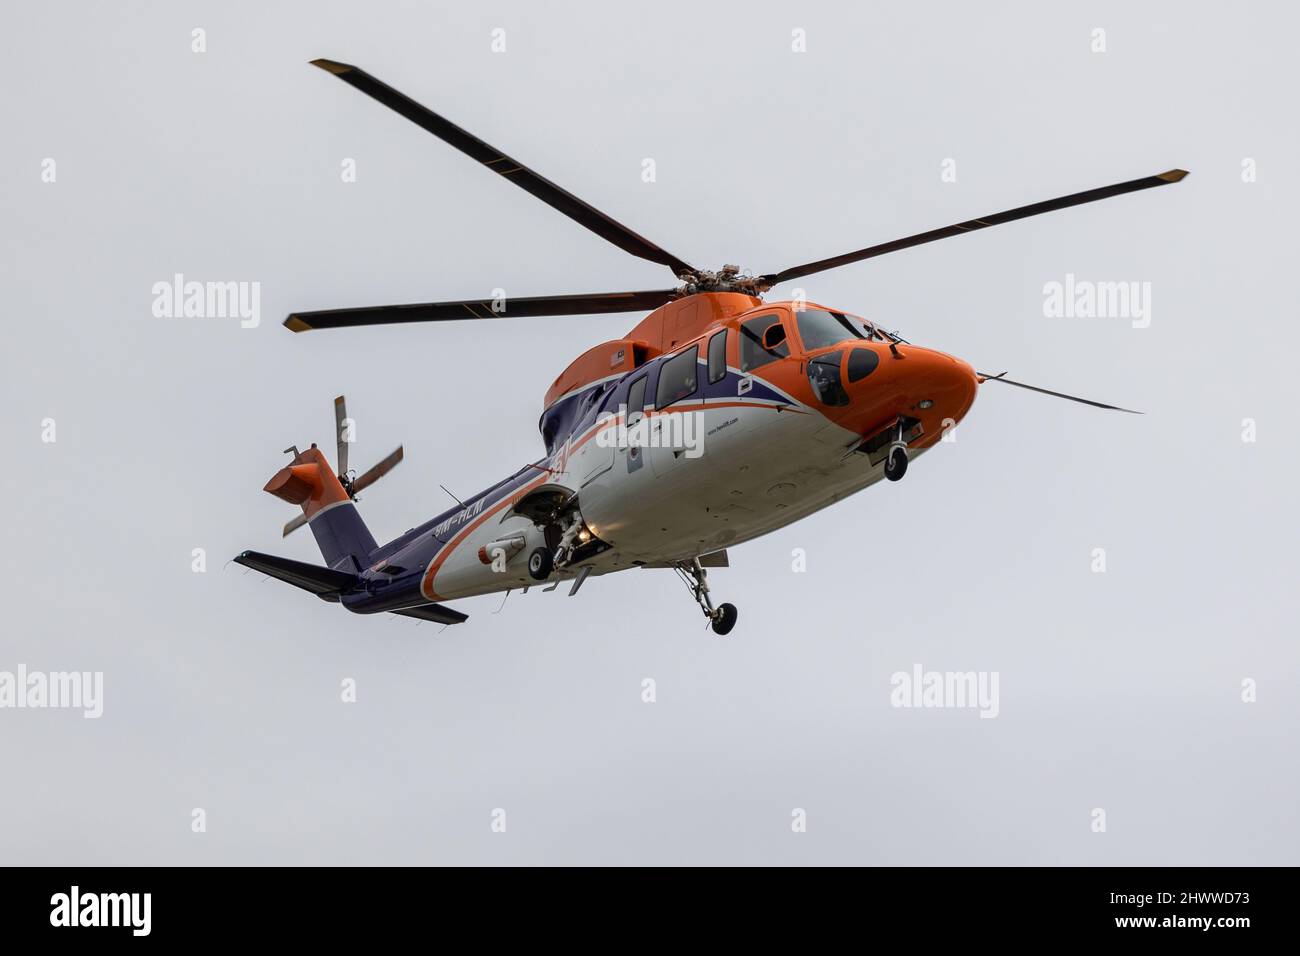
<point>824,376</point>
<point>752,353</point>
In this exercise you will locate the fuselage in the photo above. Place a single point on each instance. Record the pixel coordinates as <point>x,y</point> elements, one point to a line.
<point>706,427</point>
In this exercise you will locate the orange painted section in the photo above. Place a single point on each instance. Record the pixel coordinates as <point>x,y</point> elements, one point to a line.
<point>602,361</point>
<point>682,320</point>
<point>897,387</point>
<point>308,481</point>
<point>663,330</point>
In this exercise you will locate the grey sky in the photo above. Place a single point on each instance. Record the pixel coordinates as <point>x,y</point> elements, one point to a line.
<point>1118,690</point>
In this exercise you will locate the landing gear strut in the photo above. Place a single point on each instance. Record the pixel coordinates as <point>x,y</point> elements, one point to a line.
<point>568,541</point>
<point>723,617</point>
<point>896,462</point>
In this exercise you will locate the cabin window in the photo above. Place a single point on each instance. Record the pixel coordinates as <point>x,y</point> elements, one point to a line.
<point>819,329</point>
<point>718,357</point>
<point>636,401</point>
<point>752,353</point>
<point>677,377</point>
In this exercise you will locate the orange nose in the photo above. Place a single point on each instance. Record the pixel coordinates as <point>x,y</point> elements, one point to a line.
<point>934,387</point>
<point>943,380</point>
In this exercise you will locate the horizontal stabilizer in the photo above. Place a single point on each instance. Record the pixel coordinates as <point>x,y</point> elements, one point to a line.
<point>309,577</point>
<point>434,612</point>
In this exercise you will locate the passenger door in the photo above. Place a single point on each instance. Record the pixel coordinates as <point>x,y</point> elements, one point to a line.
<point>595,457</point>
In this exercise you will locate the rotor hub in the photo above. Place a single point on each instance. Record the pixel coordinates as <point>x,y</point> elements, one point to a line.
<point>726,279</point>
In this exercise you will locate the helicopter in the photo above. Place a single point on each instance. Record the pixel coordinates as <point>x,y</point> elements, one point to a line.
<point>718,418</point>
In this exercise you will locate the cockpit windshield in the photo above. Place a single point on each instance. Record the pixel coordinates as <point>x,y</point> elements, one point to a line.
<point>872,332</point>
<point>819,328</point>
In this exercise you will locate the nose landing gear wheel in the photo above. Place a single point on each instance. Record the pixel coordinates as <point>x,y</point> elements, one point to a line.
<point>896,463</point>
<point>540,563</point>
<point>724,619</point>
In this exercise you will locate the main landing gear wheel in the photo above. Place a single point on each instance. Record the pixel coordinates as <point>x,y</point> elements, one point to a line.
<point>722,618</point>
<point>540,563</point>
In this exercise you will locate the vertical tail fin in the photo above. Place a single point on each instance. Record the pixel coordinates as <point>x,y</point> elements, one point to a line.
<point>308,480</point>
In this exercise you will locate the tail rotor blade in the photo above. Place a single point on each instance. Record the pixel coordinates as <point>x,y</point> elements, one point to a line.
<point>340,416</point>
<point>1048,391</point>
<point>377,472</point>
<point>294,525</point>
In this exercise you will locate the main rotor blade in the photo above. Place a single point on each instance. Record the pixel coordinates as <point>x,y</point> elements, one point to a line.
<point>377,472</point>
<point>1048,391</point>
<point>340,416</point>
<point>582,304</point>
<point>996,219</point>
<point>513,170</point>
<point>294,525</point>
